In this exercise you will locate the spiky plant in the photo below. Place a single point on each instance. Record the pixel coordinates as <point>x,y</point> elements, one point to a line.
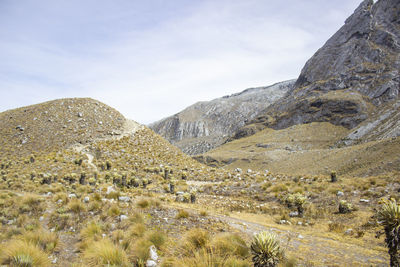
<point>297,200</point>
<point>266,250</point>
<point>389,217</point>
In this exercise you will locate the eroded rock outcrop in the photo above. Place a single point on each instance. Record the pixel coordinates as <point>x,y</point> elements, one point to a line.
<point>206,125</point>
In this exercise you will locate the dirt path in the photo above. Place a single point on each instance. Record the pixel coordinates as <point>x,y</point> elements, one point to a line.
<point>129,128</point>
<point>308,247</point>
<point>67,250</point>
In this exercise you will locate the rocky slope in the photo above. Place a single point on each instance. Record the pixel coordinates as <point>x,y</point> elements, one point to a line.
<point>206,125</point>
<point>56,125</point>
<point>349,90</point>
<point>353,77</point>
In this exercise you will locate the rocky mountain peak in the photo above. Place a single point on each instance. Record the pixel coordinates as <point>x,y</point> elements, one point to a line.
<point>349,78</point>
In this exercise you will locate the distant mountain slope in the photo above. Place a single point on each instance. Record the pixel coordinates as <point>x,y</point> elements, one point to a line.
<point>206,125</point>
<point>353,77</point>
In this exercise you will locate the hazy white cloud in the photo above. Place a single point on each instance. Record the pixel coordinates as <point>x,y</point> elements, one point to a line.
<point>150,59</point>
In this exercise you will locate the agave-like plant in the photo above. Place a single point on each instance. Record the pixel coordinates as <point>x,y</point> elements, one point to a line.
<point>266,250</point>
<point>389,217</point>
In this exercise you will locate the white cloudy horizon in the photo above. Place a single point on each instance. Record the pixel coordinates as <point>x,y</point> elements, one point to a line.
<point>151,59</point>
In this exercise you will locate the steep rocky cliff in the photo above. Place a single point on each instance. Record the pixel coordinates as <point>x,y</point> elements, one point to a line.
<point>353,77</point>
<point>205,125</point>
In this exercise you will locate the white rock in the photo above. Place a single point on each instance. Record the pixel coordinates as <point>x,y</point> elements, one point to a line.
<point>153,253</point>
<point>340,194</point>
<point>41,218</point>
<point>123,217</point>
<point>59,201</point>
<point>124,198</point>
<point>86,199</point>
<point>151,263</point>
<point>349,232</point>
<point>72,195</point>
<point>300,236</point>
<point>110,189</point>
<point>364,200</point>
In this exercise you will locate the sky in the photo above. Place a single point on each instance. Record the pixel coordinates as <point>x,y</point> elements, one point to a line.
<point>151,59</point>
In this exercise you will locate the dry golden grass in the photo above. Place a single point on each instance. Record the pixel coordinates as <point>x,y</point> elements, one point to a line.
<point>22,253</point>
<point>306,149</point>
<point>105,253</point>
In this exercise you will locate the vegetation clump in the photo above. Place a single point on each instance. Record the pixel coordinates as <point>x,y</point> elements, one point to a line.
<point>266,250</point>
<point>389,217</point>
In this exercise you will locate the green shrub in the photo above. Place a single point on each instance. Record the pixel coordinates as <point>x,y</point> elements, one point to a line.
<point>345,207</point>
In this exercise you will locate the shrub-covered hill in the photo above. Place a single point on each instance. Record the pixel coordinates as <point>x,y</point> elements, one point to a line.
<point>55,125</point>
<point>69,138</point>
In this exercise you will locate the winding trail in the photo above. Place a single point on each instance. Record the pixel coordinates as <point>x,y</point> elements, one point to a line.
<point>129,128</point>
<point>302,241</point>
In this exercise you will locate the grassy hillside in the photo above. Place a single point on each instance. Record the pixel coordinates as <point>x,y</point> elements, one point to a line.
<point>307,149</point>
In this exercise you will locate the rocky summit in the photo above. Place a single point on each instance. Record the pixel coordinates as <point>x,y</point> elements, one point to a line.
<point>205,125</point>
<point>354,77</point>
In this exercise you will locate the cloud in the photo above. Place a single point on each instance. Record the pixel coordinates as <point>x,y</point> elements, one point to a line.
<point>152,60</point>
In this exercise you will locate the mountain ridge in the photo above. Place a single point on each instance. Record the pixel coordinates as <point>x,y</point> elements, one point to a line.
<point>206,124</point>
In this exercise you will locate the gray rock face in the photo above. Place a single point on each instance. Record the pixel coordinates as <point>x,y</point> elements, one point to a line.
<point>205,125</point>
<point>355,74</point>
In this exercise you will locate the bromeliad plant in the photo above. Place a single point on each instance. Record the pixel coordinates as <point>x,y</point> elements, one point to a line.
<point>266,250</point>
<point>389,217</point>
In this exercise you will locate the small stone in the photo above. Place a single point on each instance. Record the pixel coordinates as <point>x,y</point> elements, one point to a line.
<point>294,214</point>
<point>300,236</point>
<point>54,261</point>
<point>59,201</point>
<point>300,223</point>
<point>41,218</point>
<point>80,115</point>
<point>340,194</point>
<point>123,217</point>
<point>86,199</point>
<point>364,200</point>
<point>110,189</point>
<point>153,253</point>
<point>151,263</point>
<point>72,195</point>
<point>124,198</point>
<point>349,232</point>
